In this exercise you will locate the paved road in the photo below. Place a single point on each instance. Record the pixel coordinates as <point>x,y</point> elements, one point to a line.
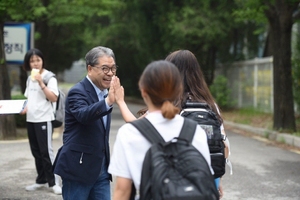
<point>261,170</point>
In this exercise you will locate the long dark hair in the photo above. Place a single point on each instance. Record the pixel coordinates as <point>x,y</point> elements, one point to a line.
<point>195,87</point>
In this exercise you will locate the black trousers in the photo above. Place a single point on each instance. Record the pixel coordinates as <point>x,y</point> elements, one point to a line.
<point>40,141</point>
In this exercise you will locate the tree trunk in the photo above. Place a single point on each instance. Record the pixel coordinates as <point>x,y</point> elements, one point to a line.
<point>7,122</point>
<point>211,65</point>
<point>23,78</point>
<point>280,37</point>
<point>268,49</point>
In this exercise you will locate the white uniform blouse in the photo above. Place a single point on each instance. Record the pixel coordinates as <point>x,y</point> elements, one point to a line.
<point>39,109</point>
<point>130,146</point>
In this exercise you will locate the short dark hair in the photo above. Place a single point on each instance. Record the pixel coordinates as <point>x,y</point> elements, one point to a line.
<point>91,58</point>
<point>28,55</point>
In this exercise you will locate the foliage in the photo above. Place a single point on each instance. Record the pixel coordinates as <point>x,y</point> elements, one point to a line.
<point>24,10</point>
<point>221,92</point>
<point>59,25</point>
<point>202,27</point>
<point>279,46</point>
<point>130,32</point>
<point>143,31</point>
<point>296,80</point>
<point>249,116</point>
<point>62,30</point>
<point>139,32</point>
<point>250,10</point>
<point>296,68</point>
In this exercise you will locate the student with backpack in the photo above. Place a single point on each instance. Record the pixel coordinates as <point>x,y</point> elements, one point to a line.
<point>39,117</point>
<point>191,73</point>
<point>196,91</point>
<point>59,105</point>
<point>178,172</point>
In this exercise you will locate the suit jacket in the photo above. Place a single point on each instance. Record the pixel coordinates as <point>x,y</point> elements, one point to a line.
<point>85,139</point>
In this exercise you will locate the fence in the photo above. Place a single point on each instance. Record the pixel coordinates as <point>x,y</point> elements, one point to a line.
<point>251,83</point>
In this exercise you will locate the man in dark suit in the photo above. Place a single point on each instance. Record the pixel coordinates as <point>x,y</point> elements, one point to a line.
<point>83,159</point>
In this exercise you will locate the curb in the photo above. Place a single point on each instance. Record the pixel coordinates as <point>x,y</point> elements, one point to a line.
<point>284,138</point>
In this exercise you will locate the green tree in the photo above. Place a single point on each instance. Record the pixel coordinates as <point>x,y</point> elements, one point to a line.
<point>280,15</point>
<point>200,26</point>
<point>142,31</point>
<point>9,10</point>
<point>221,92</point>
<point>296,68</point>
<point>59,32</point>
<point>133,36</point>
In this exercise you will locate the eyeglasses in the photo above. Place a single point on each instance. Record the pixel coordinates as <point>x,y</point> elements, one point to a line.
<point>106,69</point>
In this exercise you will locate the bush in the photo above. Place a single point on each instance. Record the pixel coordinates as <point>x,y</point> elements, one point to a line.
<point>221,92</point>
<point>20,119</point>
<point>296,80</point>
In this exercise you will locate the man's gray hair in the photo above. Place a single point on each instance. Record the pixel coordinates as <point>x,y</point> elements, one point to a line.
<point>91,58</point>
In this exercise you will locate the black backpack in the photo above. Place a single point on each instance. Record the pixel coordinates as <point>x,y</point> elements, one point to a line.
<point>174,170</point>
<point>59,110</point>
<point>207,119</point>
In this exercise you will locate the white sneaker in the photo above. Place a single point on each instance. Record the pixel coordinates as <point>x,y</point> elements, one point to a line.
<point>35,186</point>
<point>56,189</point>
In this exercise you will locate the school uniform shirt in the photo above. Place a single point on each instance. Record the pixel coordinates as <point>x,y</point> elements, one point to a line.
<point>39,109</point>
<point>130,146</point>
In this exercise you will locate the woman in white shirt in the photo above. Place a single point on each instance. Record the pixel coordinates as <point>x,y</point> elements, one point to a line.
<point>160,84</point>
<point>39,114</point>
<point>196,90</point>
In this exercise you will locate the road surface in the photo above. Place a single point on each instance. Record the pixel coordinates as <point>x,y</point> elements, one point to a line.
<point>260,169</point>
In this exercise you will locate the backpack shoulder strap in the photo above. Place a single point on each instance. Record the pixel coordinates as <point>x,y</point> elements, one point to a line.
<point>47,77</point>
<point>188,130</point>
<point>27,82</point>
<point>147,130</point>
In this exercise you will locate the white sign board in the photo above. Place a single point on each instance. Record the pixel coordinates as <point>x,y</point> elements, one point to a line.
<point>18,39</point>
<point>12,106</point>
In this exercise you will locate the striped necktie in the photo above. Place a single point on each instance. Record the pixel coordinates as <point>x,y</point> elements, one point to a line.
<point>101,97</point>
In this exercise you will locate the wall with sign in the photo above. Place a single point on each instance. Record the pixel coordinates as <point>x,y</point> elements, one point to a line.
<point>18,39</point>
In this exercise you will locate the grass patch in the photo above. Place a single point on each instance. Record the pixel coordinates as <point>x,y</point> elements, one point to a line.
<point>297,133</point>
<point>255,118</point>
<point>297,125</point>
<point>266,134</point>
<point>249,116</point>
<point>65,85</point>
<point>282,140</point>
